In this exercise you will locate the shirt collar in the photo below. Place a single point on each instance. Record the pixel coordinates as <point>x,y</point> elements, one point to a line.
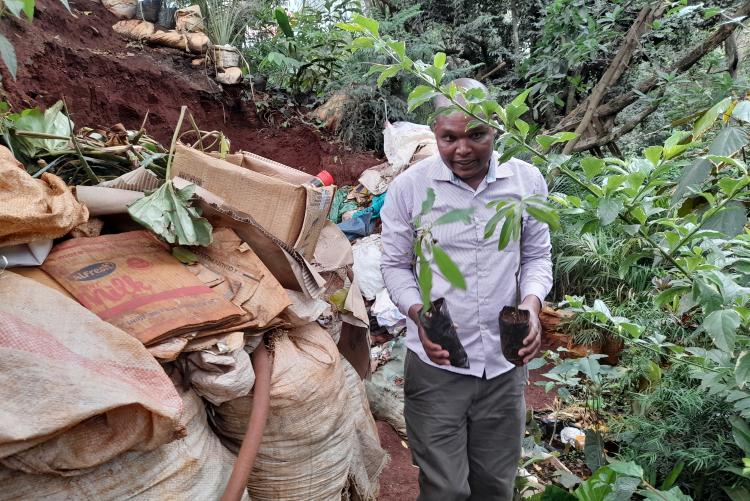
<point>441,172</point>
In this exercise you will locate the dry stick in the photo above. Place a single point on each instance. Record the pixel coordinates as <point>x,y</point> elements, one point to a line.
<point>494,70</point>
<point>142,130</point>
<point>173,146</point>
<point>619,103</point>
<point>258,416</point>
<point>89,172</point>
<point>615,70</point>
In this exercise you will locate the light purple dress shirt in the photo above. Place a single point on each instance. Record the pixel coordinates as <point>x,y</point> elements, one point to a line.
<point>489,273</point>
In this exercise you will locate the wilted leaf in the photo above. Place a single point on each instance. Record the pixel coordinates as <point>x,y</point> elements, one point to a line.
<point>53,121</point>
<point>167,213</point>
<point>184,255</point>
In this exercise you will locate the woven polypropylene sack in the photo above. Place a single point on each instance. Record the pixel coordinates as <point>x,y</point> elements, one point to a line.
<point>307,442</point>
<point>368,457</point>
<point>193,468</point>
<point>75,390</point>
<point>34,209</point>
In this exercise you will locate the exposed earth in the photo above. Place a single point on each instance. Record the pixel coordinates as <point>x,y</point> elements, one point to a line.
<point>107,80</point>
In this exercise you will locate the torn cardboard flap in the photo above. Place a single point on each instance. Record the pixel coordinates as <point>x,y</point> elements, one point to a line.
<point>333,250</point>
<point>289,211</point>
<point>288,266</point>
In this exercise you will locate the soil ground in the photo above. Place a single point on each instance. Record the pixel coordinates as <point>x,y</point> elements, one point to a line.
<point>106,79</point>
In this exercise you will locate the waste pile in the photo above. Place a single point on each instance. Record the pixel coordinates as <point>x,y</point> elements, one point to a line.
<point>176,320</point>
<point>156,23</point>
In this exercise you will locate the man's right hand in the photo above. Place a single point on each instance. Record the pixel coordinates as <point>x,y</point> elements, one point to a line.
<point>434,351</point>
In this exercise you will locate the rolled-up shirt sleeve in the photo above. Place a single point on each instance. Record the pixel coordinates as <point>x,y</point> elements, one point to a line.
<point>536,261</point>
<point>398,249</point>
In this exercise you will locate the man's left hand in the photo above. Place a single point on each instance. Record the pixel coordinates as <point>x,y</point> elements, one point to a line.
<point>533,341</point>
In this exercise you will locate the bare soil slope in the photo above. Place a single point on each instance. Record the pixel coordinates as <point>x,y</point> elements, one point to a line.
<point>106,79</point>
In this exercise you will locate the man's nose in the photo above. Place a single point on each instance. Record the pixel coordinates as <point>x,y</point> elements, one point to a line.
<point>462,148</point>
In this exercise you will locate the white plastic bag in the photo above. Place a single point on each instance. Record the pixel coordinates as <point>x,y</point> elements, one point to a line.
<point>367,256</point>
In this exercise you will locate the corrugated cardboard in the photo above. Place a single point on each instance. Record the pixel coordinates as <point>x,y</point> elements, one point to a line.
<point>288,266</point>
<point>132,281</point>
<point>279,203</point>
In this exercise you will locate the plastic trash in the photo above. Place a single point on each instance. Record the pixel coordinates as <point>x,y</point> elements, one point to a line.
<point>573,436</point>
<point>374,208</point>
<point>357,227</point>
<point>367,255</point>
<point>387,313</point>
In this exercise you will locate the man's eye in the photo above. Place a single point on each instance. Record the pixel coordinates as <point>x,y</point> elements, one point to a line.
<point>476,136</point>
<point>448,139</point>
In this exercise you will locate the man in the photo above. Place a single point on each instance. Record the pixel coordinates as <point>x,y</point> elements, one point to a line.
<point>465,425</point>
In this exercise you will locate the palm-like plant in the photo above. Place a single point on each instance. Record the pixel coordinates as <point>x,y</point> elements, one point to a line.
<point>225,20</point>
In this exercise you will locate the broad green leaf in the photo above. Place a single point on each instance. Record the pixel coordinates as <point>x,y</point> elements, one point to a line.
<point>707,120</point>
<point>283,21</point>
<point>398,47</point>
<point>520,100</point>
<point>8,55</point>
<point>742,369</point>
<point>672,476</point>
<point>536,363</point>
<point>722,326</point>
<point>522,127</point>
<point>730,220</point>
<point>666,297</point>
<point>553,493</point>
<point>593,451</point>
<point>673,494</point>
<point>455,216</point>
<point>728,142</point>
<point>546,216</point>
<point>489,228</point>
<point>623,488</point>
<point>673,146</point>
<point>15,7</point>
<point>428,202</point>
<point>448,268</point>
<point>741,433</point>
<point>52,121</point>
<point>506,232</point>
<point>592,166</point>
<point>362,43</point>
<point>598,486</point>
<point>608,210</point>
<point>389,72</point>
<point>425,282</point>
<point>653,154</point>
<point>739,492</point>
<point>353,28</point>
<point>628,468</point>
<point>420,95</point>
<point>370,25</point>
<point>439,60</point>
<point>692,177</point>
<point>742,111</point>
<point>561,137</point>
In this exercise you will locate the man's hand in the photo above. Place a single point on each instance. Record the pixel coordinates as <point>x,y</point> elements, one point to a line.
<point>533,341</point>
<point>434,351</point>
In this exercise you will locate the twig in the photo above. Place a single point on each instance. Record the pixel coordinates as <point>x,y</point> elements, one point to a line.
<point>89,172</point>
<point>173,146</point>
<point>142,130</point>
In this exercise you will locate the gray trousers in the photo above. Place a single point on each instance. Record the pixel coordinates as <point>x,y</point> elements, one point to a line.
<point>464,432</point>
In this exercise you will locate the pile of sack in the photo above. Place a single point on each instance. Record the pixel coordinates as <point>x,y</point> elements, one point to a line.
<point>152,22</point>
<point>125,363</point>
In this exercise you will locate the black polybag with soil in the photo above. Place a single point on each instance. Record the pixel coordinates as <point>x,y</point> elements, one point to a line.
<point>438,326</point>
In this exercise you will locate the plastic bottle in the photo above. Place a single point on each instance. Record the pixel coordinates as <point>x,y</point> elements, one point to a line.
<point>324,178</point>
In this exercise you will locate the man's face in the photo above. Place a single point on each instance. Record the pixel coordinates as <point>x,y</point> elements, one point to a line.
<point>465,151</point>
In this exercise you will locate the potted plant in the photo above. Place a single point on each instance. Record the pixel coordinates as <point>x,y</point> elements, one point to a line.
<point>225,21</point>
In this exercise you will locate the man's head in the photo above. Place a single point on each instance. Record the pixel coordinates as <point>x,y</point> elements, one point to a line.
<point>466,151</point>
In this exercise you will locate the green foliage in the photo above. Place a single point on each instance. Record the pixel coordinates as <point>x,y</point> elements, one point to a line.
<point>225,20</point>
